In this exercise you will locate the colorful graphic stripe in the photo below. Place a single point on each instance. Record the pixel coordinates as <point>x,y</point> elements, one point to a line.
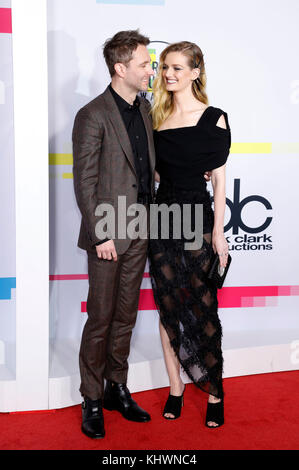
<point>6,284</point>
<point>264,147</point>
<point>60,159</point>
<point>67,277</point>
<point>236,148</point>
<point>228,297</point>
<point>251,147</point>
<point>254,296</point>
<point>5,20</point>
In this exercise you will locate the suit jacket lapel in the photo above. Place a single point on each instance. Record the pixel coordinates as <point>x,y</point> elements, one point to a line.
<point>149,131</point>
<point>121,131</point>
<point>119,127</point>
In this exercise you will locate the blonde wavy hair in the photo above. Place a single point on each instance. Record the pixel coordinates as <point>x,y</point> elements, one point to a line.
<point>163,99</point>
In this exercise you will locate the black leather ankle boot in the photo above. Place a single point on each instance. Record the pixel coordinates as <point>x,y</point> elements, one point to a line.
<point>117,397</point>
<point>92,418</point>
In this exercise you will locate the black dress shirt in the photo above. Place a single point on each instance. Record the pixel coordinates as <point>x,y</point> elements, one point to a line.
<point>137,134</point>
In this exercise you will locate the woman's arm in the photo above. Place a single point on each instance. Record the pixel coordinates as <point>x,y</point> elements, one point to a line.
<point>219,242</point>
<point>218,183</point>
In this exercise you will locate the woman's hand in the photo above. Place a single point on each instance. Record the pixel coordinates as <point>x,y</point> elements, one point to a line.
<point>207,175</point>
<point>220,246</point>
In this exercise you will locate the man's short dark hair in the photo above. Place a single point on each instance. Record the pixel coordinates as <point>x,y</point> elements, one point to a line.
<point>120,48</point>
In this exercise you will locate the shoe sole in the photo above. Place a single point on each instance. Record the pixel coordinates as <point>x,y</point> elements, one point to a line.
<point>91,435</point>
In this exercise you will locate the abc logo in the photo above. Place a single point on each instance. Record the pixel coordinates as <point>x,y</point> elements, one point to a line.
<point>236,206</point>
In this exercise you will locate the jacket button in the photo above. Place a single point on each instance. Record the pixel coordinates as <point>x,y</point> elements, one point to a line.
<point>134,185</point>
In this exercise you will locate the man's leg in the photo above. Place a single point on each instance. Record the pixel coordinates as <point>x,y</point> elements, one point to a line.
<point>102,297</point>
<point>125,312</point>
<point>117,396</point>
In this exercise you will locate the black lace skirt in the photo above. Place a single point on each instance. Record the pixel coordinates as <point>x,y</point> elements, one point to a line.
<point>185,298</point>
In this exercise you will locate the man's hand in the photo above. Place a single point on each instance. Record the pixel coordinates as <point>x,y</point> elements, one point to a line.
<point>107,251</point>
<point>207,175</point>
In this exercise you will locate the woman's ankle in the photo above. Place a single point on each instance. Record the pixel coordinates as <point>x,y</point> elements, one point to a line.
<point>177,388</point>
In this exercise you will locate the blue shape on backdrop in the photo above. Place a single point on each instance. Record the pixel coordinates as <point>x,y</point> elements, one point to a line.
<point>6,284</point>
<point>133,2</point>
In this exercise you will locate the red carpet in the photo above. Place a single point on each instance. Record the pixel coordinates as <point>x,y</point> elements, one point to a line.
<point>261,412</point>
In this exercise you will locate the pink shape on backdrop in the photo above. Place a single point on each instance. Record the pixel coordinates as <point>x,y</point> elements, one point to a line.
<point>5,20</point>
<point>68,277</point>
<point>228,297</point>
<point>271,301</point>
<point>284,290</point>
<point>259,301</point>
<point>294,290</point>
<point>246,302</point>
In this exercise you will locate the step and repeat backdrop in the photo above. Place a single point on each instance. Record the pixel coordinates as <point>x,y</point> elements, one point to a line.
<point>250,51</point>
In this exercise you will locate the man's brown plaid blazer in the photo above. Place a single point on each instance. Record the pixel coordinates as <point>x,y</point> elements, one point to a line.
<point>103,165</point>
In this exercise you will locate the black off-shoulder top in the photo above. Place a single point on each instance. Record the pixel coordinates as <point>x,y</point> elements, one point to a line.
<point>184,154</point>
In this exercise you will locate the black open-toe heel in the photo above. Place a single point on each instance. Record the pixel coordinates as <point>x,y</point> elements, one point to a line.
<point>174,405</point>
<point>215,413</point>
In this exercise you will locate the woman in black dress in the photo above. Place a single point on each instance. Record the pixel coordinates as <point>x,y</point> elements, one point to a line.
<point>191,138</point>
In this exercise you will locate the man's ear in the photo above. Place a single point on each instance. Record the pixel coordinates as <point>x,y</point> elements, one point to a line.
<point>120,69</point>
